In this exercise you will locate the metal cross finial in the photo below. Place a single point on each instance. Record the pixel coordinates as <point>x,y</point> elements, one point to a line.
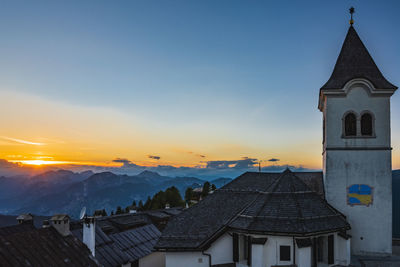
<point>351,14</point>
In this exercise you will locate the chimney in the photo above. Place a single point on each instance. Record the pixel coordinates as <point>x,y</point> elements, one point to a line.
<point>25,219</point>
<point>89,233</point>
<point>61,223</point>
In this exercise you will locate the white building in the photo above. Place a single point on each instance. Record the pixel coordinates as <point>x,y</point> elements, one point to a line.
<point>260,219</point>
<point>305,219</point>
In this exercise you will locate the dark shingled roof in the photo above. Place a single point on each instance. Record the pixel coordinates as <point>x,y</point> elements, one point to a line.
<point>122,222</point>
<point>262,203</point>
<point>137,243</point>
<point>354,61</point>
<point>107,252</point>
<point>23,245</point>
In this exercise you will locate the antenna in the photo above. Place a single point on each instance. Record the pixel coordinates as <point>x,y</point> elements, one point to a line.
<point>83,213</point>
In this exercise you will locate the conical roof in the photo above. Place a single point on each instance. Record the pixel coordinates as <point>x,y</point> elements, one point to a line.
<point>289,207</point>
<point>354,61</point>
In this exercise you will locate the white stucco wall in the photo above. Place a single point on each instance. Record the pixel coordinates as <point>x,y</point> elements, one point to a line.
<point>222,250</point>
<point>155,259</point>
<point>271,249</point>
<point>357,100</point>
<point>262,255</point>
<point>183,259</point>
<point>372,225</point>
<point>257,255</point>
<point>303,257</point>
<point>342,248</point>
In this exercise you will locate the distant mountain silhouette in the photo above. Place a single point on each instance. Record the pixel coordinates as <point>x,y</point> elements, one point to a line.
<point>67,192</point>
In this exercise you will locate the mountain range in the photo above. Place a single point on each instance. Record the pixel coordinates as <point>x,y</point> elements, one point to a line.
<point>67,192</point>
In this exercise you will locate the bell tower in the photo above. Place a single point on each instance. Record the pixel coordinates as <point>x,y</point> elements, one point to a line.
<point>357,157</point>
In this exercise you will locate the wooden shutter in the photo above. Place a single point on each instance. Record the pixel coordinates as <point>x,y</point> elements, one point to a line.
<point>249,250</point>
<point>235,238</point>
<point>330,250</point>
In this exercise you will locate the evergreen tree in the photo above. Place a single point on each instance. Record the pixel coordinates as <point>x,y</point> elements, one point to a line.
<point>127,209</point>
<point>213,187</point>
<point>103,212</point>
<point>188,194</point>
<point>140,205</point>
<point>134,203</point>
<point>206,189</point>
<point>147,204</point>
<point>173,197</point>
<point>159,200</point>
<point>119,210</point>
<point>112,213</point>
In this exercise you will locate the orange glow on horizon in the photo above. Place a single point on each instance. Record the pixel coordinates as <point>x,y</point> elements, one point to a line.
<point>39,162</point>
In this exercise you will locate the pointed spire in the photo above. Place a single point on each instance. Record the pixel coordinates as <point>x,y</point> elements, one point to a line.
<point>354,61</point>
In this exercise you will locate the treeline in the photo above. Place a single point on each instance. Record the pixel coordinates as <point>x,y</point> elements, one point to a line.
<point>192,196</point>
<point>170,196</point>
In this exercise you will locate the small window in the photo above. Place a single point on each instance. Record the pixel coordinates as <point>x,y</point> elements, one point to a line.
<point>366,124</point>
<point>285,253</point>
<point>350,125</point>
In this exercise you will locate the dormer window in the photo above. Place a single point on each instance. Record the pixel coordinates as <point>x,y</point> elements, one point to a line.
<point>350,125</point>
<point>366,124</point>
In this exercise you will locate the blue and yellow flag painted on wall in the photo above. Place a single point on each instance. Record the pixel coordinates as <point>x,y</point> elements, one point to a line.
<point>359,194</point>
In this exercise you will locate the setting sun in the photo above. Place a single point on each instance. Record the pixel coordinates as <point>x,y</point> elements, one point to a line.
<point>39,162</point>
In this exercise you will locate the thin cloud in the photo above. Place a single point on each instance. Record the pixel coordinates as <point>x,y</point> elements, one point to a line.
<point>196,154</point>
<point>274,160</point>
<point>125,163</point>
<point>241,164</point>
<point>154,157</point>
<point>22,141</point>
<point>120,160</point>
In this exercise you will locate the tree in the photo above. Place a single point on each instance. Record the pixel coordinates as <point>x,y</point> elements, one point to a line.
<point>147,204</point>
<point>188,194</point>
<point>119,210</point>
<point>159,200</point>
<point>213,187</point>
<point>140,205</point>
<point>173,197</point>
<point>134,203</point>
<point>112,213</point>
<point>103,212</point>
<point>206,189</point>
<point>127,209</point>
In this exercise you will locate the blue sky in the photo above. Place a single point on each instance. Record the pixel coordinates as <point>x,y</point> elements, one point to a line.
<point>191,74</point>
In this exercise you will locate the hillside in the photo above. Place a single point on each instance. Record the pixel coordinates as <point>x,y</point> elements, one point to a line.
<point>67,192</point>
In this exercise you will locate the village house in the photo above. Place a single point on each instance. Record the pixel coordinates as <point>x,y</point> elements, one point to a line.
<point>110,241</point>
<point>25,245</point>
<point>306,219</point>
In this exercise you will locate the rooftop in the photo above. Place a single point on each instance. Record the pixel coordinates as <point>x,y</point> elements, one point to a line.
<point>20,244</point>
<point>285,203</point>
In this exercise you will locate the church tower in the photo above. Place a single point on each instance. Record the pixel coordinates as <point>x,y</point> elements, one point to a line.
<point>357,157</point>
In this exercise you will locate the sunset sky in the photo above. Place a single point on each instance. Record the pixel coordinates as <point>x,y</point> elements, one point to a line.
<point>178,83</point>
